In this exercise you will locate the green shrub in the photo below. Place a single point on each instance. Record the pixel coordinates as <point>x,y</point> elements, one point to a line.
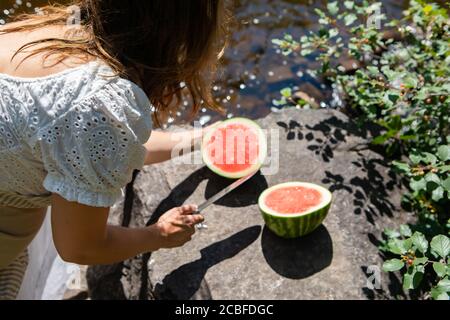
<point>402,84</point>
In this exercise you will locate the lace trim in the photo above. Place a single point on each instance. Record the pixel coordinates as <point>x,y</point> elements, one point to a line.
<point>10,199</point>
<point>76,194</point>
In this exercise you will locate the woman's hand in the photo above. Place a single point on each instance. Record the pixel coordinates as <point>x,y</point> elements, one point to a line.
<point>177,226</point>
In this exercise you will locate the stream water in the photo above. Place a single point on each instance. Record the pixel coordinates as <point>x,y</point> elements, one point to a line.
<point>252,71</point>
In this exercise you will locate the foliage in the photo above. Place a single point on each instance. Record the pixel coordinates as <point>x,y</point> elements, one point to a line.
<point>401,83</point>
<point>418,256</point>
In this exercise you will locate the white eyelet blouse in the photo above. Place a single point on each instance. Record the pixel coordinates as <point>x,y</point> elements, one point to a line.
<point>79,133</point>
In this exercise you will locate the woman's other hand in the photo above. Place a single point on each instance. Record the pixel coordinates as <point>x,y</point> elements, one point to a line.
<point>177,226</point>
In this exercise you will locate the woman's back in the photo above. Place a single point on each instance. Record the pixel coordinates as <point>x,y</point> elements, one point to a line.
<point>36,65</point>
<point>74,125</point>
<point>52,114</point>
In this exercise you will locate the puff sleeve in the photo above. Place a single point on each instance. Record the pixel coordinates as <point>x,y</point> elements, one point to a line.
<point>91,151</point>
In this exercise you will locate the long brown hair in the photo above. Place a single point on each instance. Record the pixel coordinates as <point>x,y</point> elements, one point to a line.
<point>159,44</point>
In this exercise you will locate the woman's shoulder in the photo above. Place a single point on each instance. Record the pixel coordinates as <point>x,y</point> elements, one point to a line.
<point>78,99</point>
<point>106,82</point>
<point>117,98</point>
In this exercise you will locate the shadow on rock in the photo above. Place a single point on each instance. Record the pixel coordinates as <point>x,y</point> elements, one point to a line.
<point>243,196</point>
<point>184,282</point>
<point>379,292</point>
<point>180,193</point>
<point>104,282</point>
<point>370,189</point>
<point>298,258</point>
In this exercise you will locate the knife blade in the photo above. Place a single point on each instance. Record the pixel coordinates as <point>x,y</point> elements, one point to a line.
<point>224,192</point>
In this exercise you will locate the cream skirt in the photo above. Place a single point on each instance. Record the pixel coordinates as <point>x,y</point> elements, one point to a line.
<point>20,220</point>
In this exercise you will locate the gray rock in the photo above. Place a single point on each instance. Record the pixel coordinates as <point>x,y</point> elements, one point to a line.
<point>237,257</point>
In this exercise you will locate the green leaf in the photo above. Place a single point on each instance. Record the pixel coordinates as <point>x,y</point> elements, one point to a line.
<point>373,70</point>
<point>405,230</point>
<point>446,184</point>
<point>415,158</point>
<point>286,92</point>
<point>319,12</point>
<point>439,294</point>
<point>420,242</point>
<point>391,97</point>
<point>277,42</point>
<point>412,278</point>
<point>410,82</point>
<point>444,168</point>
<point>444,285</point>
<point>333,8</point>
<point>429,158</point>
<point>444,153</point>
<point>441,245</point>
<point>408,137</point>
<point>333,32</point>
<point>407,281</point>
<point>305,52</point>
<point>324,21</point>
<point>427,9</point>
<point>398,246</point>
<point>421,260</point>
<point>288,37</point>
<point>350,19</point>
<point>440,269</point>
<point>417,184</point>
<point>401,166</point>
<point>349,4</point>
<point>437,194</point>
<point>431,186</point>
<point>380,139</point>
<point>395,124</point>
<point>390,233</point>
<point>432,177</point>
<point>393,265</point>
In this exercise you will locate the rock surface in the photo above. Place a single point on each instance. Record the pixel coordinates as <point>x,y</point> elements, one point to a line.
<point>237,257</point>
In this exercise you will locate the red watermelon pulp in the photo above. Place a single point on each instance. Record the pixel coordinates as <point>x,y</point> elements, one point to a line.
<point>235,148</point>
<point>293,200</point>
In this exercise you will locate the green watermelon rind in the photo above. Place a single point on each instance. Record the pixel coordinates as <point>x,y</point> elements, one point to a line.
<point>240,174</point>
<point>297,225</point>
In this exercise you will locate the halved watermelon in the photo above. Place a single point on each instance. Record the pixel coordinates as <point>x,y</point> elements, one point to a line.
<point>234,148</point>
<point>294,209</point>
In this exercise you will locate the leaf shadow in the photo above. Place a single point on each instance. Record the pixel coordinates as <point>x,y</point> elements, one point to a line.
<point>184,282</point>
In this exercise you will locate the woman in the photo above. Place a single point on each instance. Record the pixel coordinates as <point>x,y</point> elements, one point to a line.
<point>77,87</point>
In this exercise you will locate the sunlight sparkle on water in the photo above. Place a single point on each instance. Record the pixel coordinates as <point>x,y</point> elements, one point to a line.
<point>204,119</point>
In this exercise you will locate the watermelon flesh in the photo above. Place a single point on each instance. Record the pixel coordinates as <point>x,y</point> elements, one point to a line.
<point>294,209</point>
<point>293,200</point>
<point>235,148</point>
